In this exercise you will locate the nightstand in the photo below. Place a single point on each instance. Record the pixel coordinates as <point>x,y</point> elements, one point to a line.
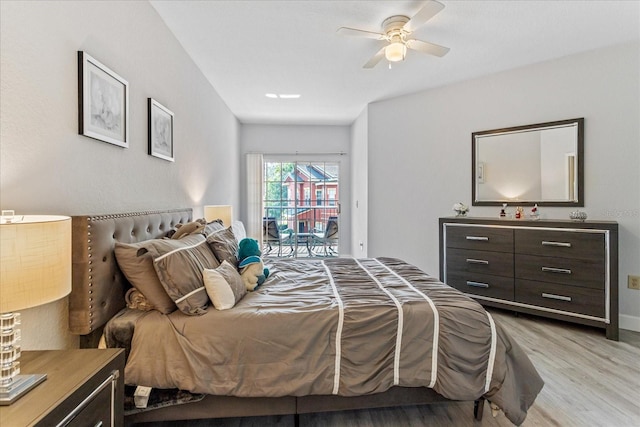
<point>83,388</point>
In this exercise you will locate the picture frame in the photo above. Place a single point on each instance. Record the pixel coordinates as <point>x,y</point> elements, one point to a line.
<point>103,102</point>
<point>160,131</point>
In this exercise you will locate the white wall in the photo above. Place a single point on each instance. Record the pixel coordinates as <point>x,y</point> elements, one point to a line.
<point>413,183</point>
<point>46,167</point>
<point>359,185</point>
<point>309,142</point>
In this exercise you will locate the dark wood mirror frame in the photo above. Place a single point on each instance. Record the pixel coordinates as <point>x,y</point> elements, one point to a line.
<point>579,161</point>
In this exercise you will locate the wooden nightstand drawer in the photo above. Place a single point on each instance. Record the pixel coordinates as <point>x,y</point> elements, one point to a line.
<point>565,244</point>
<point>96,413</point>
<point>482,284</point>
<point>83,388</point>
<point>566,298</point>
<point>574,272</point>
<point>483,262</point>
<point>480,238</point>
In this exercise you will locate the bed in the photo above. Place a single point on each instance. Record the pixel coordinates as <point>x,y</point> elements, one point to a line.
<point>319,335</point>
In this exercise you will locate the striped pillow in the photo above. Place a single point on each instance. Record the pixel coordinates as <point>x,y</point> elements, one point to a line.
<point>179,265</point>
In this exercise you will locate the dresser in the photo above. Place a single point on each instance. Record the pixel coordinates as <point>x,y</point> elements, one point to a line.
<point>564,270</point>
<point>83,388</point>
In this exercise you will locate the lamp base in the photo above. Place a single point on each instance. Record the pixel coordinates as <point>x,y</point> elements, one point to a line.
<point>20,385</point>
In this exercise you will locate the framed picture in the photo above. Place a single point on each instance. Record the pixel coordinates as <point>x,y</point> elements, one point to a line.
<point>160,131</point>
<point>103,102</point>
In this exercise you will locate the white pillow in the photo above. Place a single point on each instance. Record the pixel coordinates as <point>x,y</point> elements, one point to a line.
<point>238,230</point>
<point>224,286</point>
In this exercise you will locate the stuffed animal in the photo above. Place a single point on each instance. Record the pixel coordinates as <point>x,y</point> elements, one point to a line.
<point>193,227</point>
<point>252,270</point>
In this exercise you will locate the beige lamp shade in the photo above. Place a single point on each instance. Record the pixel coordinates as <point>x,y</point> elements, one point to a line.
<point>223,212</point>
<point>35,261</point>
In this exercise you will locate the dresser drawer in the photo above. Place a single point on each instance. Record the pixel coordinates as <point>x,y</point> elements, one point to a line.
<point>482,284</point>
<point>566,271</point>
<point>567,298</point>
<point>566,244</point>
<point>483,262</point>
<point>480,238</point>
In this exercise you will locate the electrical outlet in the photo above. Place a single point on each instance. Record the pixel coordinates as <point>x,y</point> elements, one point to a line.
<point>634,282</point>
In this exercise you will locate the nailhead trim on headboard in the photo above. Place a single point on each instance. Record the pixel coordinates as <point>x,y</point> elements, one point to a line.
<point>98,285</point>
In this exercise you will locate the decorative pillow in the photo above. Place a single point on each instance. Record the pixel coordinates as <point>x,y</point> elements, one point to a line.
<point>140,273</point>
<point>213,226</point>
<point>238,230</point>
<point>179,265</point>
<point>224,245</point>
<point>224,286</point>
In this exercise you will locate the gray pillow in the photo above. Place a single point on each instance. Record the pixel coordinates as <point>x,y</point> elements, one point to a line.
<point>224,245</point>
<point>212,227</point>
<point>179,265</point>
<point>140,273</point>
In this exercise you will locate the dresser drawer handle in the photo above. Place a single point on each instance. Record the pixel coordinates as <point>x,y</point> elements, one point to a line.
<point>478,238</point>
<point>477,261</point>
<point>477,284</point>
<point>554,296</point>
<point>556,270</point>
<point>556,244</point>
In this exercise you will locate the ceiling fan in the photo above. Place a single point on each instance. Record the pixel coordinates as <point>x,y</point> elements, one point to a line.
<point>396,31</point>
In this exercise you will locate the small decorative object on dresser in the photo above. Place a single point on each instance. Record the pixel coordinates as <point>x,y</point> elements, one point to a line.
<point>579,216</point>
<point>553,268</point>
<point>535,213</point>
<point>503,211</point>
<point>460,209</point>
<point>519,212</point>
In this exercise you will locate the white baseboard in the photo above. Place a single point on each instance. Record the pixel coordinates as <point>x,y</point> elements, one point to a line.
<point>631,323</point>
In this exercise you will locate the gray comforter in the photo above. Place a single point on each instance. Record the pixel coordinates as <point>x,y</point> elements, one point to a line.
<point>338,326</point>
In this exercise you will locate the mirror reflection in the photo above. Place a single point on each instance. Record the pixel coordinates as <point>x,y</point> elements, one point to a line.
<point>529,164</point>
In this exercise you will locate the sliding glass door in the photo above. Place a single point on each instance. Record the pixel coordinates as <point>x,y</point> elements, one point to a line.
<point>301,209</point>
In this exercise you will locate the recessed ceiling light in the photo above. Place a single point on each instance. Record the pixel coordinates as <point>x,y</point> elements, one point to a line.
<point>282,95</point>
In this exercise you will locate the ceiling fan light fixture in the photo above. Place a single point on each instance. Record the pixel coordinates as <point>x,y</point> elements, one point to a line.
<point>395,52</point>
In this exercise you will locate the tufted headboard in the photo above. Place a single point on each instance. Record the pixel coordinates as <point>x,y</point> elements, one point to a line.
<point>98,285</point>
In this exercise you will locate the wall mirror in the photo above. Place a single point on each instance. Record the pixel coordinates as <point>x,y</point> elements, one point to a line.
<point>540,163</point>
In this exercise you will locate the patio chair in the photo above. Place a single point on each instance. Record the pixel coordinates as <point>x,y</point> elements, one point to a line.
<point>328,239</point>
<point>271,235</point>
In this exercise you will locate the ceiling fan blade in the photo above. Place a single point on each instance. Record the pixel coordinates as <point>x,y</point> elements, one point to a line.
<point>375,59</point>
<point>346,31</point>
<point>426,47</point>
<point>427,12</point>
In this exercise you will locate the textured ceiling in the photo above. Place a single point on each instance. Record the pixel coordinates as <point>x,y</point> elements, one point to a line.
<point>249,48</point>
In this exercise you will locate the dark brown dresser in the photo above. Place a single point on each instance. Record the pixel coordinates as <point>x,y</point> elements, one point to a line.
<point>560,269</point>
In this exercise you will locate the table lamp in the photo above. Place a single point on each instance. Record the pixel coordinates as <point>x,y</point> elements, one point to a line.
<point>35,269</point>
<point>223,212</point>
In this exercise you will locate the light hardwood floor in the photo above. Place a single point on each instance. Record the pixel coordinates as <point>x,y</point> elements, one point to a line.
<point>589,381</point>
